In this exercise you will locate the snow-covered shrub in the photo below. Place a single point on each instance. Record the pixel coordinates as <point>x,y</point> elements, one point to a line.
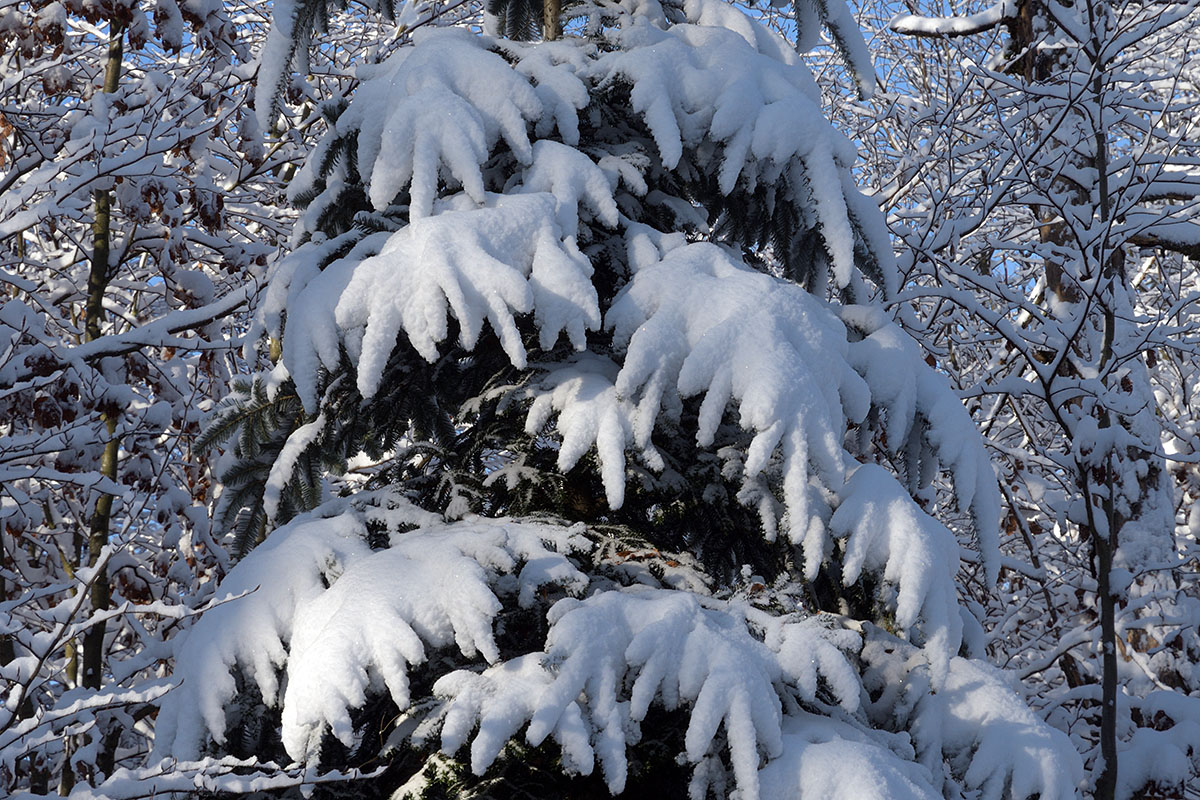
<point>589,334</point>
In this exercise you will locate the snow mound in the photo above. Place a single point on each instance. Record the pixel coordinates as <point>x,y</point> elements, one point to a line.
<point>609,658</point>
<point>348,620</point>
<point>974,723</point>
<point>834,760</point>
<point>926,422</point>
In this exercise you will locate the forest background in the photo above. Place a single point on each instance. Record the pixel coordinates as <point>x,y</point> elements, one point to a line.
<point>1037,167</point>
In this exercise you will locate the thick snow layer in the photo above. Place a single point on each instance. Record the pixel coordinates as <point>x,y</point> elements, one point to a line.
<point>275,60</point>
<point>973,721</point>
<point>699,322</point>
<point>249,633</point>
<point>285,463</point>
<point>688,316</point>
<point>608,659</point>
<point>480,265</point>
<point>1166,755</point>
<point>435,111</point>
<point>887,532</point>
<point>693,83</point>
<point>921,408</point>
<point>590,412</point>
<point>431,586</point>
<point>957,25</point>
<point>504,697</point>
<point>982,714</point>
<point>812,651</point>
<point>832,760</point>
<point>316,607</point>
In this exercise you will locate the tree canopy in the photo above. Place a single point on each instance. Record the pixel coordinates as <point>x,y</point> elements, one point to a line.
<point>656,397</point>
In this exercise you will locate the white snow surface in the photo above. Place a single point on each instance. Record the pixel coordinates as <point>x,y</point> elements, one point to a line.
<point>590,413</point>
<point>285,464</point>
<point>920,403</point>
<point>609,658</point>
<point>974,722</point>
<point>833,760</point>
<point>955,25</point>
<point>436,111</point>
<point>431,586</point>
<point>319,621</point>
<point>700,322</point>
<point>698,82</point>
<point>486,264</point>
<point>692,321</point>
<point>315,606</point>
<point>886,532</point>
<point>248,634</point>
<point>1165,755</point>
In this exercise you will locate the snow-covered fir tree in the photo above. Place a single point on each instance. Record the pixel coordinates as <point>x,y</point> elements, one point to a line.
<point>592,462</point>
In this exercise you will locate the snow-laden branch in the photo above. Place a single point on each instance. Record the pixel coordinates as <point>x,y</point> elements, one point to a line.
<point>218,776</point>
<point>913,25</point>
<point>348,621</point>
<point>158,333</point>
<point>314,578</point>
<point>975,719</point>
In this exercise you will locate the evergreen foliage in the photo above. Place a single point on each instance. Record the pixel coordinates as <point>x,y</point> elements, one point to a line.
<point>632,469</point>
<point>517,19</point>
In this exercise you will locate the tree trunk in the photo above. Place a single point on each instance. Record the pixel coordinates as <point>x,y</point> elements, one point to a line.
<point>1106,783</point>
<point>551,19</point>
<point>98,527</point>
<point>1106,546</point>
<point>1036,67</point>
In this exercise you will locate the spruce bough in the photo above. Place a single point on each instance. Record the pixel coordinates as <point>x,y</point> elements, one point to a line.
<point>586,337</point>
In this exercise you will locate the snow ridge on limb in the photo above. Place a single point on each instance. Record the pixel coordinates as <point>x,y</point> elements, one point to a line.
<point>293,23</point>
<point>609,658</point>
<point>310,630</point>
<point>974,725</point>
<point>915,25</point>
<point>912,400</point>
<point>699,322</point>
<point>590,413</point>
